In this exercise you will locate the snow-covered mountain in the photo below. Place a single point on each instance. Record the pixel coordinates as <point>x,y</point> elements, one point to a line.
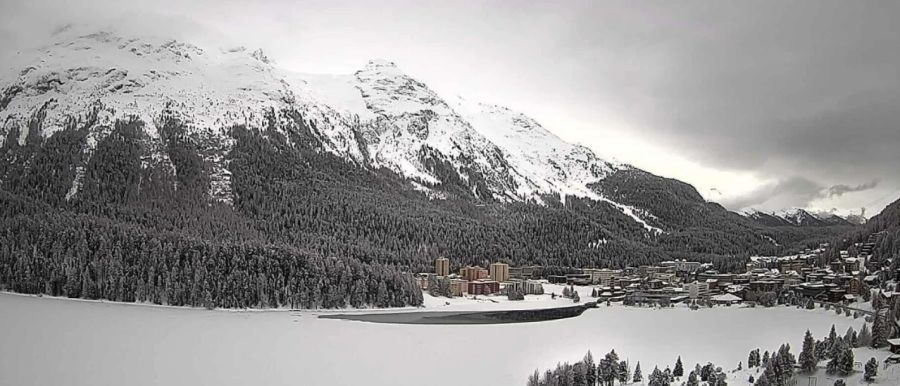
<point>377,117</point>
<point>794,217</point>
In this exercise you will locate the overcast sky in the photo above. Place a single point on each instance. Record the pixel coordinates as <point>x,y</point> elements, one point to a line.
<point>758,104</point>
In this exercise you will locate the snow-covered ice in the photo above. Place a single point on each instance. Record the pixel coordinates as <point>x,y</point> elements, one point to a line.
<point>60,341</point>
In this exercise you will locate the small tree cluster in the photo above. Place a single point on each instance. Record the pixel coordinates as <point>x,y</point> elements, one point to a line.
<point>754,359</point>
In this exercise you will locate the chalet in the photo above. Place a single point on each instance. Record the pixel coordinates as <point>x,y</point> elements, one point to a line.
<point>894,345</point>
<point>725,299</point>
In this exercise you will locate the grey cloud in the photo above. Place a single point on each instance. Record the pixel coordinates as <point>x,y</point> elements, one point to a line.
<point>778,195</point>
<point>841,189</point>
<point>792,192</point>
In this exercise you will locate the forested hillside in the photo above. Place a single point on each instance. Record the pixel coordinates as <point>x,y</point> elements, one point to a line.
<point>145,224</point>
<point>145,169</point>
<point>882,229</point>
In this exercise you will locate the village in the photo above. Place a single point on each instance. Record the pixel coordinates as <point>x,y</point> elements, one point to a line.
<point>807,276</point>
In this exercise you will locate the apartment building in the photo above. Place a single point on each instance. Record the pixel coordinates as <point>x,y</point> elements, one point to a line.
<point>499,272</point>
<point>442,266</point>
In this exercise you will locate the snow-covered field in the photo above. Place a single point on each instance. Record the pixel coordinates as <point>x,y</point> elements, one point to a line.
<point>57,341</point>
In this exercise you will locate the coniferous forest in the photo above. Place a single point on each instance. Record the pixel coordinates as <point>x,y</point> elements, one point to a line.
<point>110,212</point>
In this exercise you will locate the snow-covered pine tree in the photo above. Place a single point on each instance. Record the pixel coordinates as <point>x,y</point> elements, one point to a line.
<point>706,371</point>
<point>845,361</point>
<point>807,357</point>
<point>638,377</point>
<point>864,338</point>
<point>657,378</point>
<point>763,380</point>
<point>678,371</point>
<point>871,370</point>
<point>692,379</point>
<point>848,336</point>
<point>624,372</point>
<point>611,367</point>
<point>832,335</point>
<point>836,346</point>
<point>591,368</point>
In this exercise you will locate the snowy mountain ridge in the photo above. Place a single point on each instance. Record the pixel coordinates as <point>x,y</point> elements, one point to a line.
<point>795,217</point>
<point>378,117</point>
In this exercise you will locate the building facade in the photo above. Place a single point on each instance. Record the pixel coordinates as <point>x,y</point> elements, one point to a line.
<point>697,290</point>
<point>458,287</point>
<point>499,272</point>
<point>483,287</point>
<point>442,266</point>
<point>473,273</point>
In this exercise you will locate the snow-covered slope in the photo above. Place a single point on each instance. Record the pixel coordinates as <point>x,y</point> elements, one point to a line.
<point>546,163</point>
<point>377,117</point>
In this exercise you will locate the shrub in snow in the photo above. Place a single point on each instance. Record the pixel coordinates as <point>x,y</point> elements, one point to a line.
<point>871,370</point>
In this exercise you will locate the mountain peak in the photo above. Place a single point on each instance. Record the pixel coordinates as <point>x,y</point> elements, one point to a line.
<point>379,63</point>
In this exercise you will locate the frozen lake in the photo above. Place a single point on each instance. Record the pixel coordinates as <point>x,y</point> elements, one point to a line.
<point>47,341</point>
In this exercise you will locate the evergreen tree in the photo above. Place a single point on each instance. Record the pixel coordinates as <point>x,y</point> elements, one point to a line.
<point>765,358</point>
<point>871,370</point>
<point>706,372</point>
<point>832,336</point>
<point>611,367</point>
<point>845,366</point>
<point>808,359</point>
<point>879,329</point>
<point>864,338</point>
<point>842,362</point>
<point>624,372</point>
<point>692,379</point>
<point>840,382</point>
<point>678,371</point>
<point>657,378</point>
<point>754,359</point>
<point>638,377</point>
<point>720,379</point>
<point>534,379</point>
<point>591,368</point>
<point>848,336</point>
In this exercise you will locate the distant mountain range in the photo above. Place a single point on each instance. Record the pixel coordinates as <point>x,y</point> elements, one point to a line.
<point>801,218</point>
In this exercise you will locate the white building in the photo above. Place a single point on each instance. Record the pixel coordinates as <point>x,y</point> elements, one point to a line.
<point>697,290</point>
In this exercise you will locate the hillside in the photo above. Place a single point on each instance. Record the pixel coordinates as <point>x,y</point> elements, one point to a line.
<point>155,170</point>
<point>880,236</point>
